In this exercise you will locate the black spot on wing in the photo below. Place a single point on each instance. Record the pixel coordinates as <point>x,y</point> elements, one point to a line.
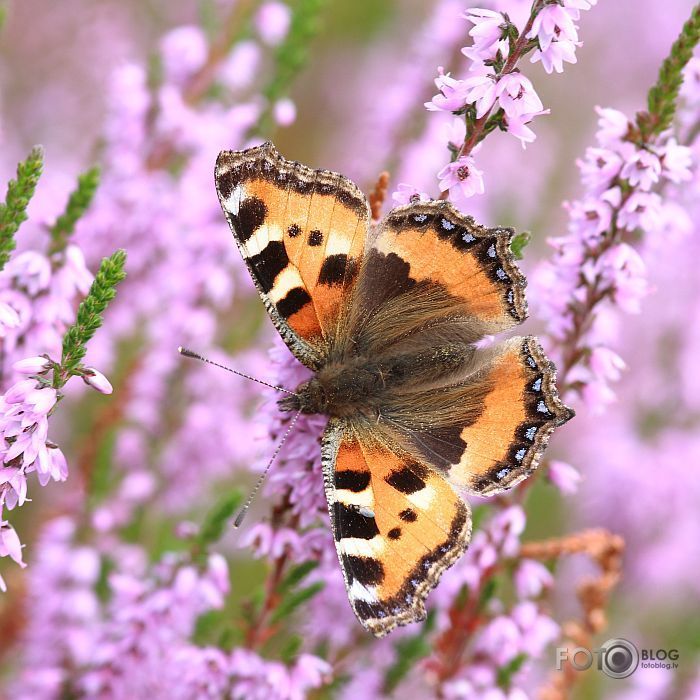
<point>349,522</point>
<point>408,479</point>
<point>394,533</point>
<point>295,300</point>
<point>315,238</point>
<point>268,263</point>
<point>251,215</point>
<point>409,515</point>
<point>334,268</point>
<point>294,230</point>
<point>366,570</point>
<point>351,480</point>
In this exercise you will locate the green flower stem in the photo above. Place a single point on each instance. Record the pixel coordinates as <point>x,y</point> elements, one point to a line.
<point>78,203</point>
<point>13,211</point>
<point>663,97</point>
<point>89,318</point>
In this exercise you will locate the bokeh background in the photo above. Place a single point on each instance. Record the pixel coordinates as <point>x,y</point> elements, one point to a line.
<point>148,462</point>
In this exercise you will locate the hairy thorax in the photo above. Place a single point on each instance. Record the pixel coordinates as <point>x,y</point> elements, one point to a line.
<point>359,386</point>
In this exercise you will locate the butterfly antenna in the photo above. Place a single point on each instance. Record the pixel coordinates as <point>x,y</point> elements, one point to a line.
<point>196,356</point>
<point>242,512</point>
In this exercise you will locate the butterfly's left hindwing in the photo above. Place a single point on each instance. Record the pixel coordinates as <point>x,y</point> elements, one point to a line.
<point>397,526</point>
<point>302,234</point>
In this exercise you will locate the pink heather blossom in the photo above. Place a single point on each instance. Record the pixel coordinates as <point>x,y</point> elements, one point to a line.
<point>10,544</point>
<point>31,365</point>
<point>553,23</point>
<point>690,89</point>
<point>677,161</point>
<point>487,30</point>
<point>284,112</point>
<point>517,96</point>
<point>272,22</point>
<point>481,91</point>
<point>613,126</point>
<point>452,95</point>
<point>558,52</point>
<point>517,126</point>
<point>407,194</point>
<point>241,66</point>
<point>565,477</point>
<point>183,51</point>
<point>462,179</point>
<point>97,381</point>
<point>455,132</point>
<point>598,168</point>
<point>642,169</point>
<point>531,578</point>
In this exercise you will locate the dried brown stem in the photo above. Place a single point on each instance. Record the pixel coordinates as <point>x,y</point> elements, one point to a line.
<point>378,195</point>
<point>605,549</point>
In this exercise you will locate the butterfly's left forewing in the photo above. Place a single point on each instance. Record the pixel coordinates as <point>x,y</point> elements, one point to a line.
<point>397,525</point>
<point>301,233</point>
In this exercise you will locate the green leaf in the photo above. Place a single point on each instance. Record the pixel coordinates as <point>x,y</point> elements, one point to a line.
<point>487,592</point>
<point>293,600</point>
<point>90,312</point>
<point>218,518</point>
<point>3,16</point>
<point>13,211</point>
<point>662,98</point>
<point>409,652</point>
<point>78,203</point>
<point>291,649</point>
<point>506,673</point>
<point>517,245</point>
<point>296,575</point>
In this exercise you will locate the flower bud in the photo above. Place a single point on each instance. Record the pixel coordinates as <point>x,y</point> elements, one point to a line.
<point>97,380</point>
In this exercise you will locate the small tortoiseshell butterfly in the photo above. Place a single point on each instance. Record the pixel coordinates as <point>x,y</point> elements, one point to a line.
<point>387,317</point>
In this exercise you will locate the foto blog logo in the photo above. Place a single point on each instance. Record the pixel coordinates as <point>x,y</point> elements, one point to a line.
<point>617,658</point>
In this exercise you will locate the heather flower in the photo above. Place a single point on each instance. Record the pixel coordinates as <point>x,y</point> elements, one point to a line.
<point>531,578</point>
<point>481,91</point>
<point>32,365</point>
<point>487,30</point>
<point>613,126</point>
<point>642,169</point>
<point>677,161</point>
<point>284,112</point>
<point>558,52</point>
<point>183,51</point>
<point>553,22</point>
<point>97,380</point>
<point>462,179</point>
<point>272,22</point>
<point>407,194</point>
<point>517,96</point>
<point>452,95</point>
<point>565,477</point>
<point>10,544</point>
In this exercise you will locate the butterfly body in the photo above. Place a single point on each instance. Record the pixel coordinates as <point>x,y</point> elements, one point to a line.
<point>360,387</point>
<point>388,317</point>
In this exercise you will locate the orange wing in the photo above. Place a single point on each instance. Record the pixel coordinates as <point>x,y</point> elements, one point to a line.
<point>514,408</point>
<point>431,242</point>
<point>397,525</point>
<point>302,233</point>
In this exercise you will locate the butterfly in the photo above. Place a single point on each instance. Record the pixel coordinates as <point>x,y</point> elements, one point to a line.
<point>388,317</point>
